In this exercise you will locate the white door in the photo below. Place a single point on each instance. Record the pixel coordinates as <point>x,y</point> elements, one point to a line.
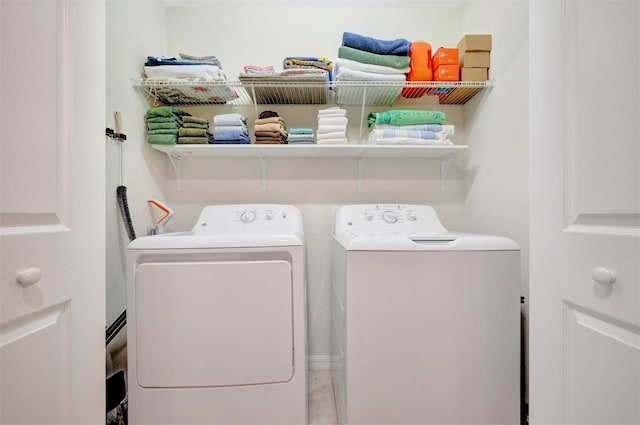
<point>52,101</point>
<point>585,212</point>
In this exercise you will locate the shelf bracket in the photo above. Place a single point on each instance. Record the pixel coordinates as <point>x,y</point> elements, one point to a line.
<point>445,162</point>
<point>263,173</point>
<point>359,173</point>
<point>176,162</point>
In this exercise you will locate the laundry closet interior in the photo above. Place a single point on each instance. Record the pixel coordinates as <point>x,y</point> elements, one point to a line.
<point>482,188</point>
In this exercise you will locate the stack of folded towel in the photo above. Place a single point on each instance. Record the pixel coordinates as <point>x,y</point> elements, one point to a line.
<point>409,127</point>
<point>298,136</point>
<point>362,58</point>
<point>270,128</point>
<point>194,130</point>
<point>309,62</point>
<point>164,124</point>
<point>332,126</point>
<point>230,129</point>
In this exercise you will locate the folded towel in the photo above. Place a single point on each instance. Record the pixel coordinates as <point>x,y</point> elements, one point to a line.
<point>329,128</point>
<point>399,46</point>
<point>332,112</point>
<point>391,61</point>
<point>277,120</point>
<point>162,139</point>
<point>300,131</point>
<point>229,119</point>
<point>268,134</point>
<point>339,141</point>
<point>241,128</point>
<point>164,131</point>
<point>271,127</point>
<point>333,121</point>
<point>244,141</point>
<point>346,74</point>
<point>261,70</point>
<point>308,62</point>
<point>193,140</point>
<point>193,132</point>
<point>228,134</point>
<point>401,117</point>
<point>268,114</point>
<point>165,60</point>
<point>420,69</point>
<point>375,135</point>
<point>195,125</point>
<point>427,127</point>
<point>203,72</point>
<point>195,120</point>
<point>165,111</point>
<point>172,118</point>
<point>412,141</point>
<point>367,67</point>
<point>300,137</point>
<point>212,60</point>
<point>332,135</point>
<point>157,125</point>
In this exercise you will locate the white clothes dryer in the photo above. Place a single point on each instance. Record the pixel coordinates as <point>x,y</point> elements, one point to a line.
<point>426,322</point>
<point>217,320</point>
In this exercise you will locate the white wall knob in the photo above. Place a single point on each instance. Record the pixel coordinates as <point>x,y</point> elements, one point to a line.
<point>603,275</point>
<point>29,276</point>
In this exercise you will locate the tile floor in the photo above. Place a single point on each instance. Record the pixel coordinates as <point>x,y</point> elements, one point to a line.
<point>322,406</point>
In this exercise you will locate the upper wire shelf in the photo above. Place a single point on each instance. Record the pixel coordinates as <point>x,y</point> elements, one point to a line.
<point>252,91</point>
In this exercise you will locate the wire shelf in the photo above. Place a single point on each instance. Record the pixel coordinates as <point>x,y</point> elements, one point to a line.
<point>308,90</point>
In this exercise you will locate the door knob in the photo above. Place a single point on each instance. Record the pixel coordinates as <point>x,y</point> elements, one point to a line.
<point>29,276</point>
<point>603,275</point>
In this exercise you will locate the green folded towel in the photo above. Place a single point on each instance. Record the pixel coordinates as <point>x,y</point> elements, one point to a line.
<point>193,140</point>
<point>165,111</point>
<point>172,118</point>
<point>195,125</point>
<point>405,117</point>
<point>391,61</point>
<point>157,125</point>
<point>162,139</point>
<point>192,132</point>
<point>300,131</point>
<point>196,120</point>
<point>173,131</point>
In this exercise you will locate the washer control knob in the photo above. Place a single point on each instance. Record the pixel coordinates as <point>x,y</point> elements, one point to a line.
<point>368,216</point>
<point>269,215</point>
<point>411,217</point>
<point>247,216</point>
<point>390,217</point>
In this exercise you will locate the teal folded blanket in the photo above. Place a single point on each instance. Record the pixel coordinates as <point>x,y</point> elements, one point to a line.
<point>192,132</point>
<point>196,120</point>
<point>362,56</point>
<point>162,139</point>
<point>193,140</point>
<point>165,111</point>
<point>300,131</point>
<point>406,117</point>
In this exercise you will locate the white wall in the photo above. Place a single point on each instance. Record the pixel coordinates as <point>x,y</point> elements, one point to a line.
<point>265,35</point>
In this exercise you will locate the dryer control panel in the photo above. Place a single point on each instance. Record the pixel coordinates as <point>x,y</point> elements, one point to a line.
<point>396,218</point>
<point>238,219</point>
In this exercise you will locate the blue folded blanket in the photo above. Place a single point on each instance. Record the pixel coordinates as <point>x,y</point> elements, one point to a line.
<point>221,135</point>
<point>399,47</point>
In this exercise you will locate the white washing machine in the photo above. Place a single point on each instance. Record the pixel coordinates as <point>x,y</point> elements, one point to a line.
<point>426,322</point>
<point>217,320</point>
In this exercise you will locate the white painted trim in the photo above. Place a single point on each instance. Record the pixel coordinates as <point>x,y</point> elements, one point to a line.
<point>319,362</point>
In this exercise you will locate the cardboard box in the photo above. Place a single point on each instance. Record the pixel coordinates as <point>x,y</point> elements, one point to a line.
<point>474,59</point>
<point>474,74</point>
<point>444,56</point>
<point>447,73</point>
<point>475,43</point>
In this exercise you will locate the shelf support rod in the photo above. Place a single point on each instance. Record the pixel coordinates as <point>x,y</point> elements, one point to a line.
<point>263,166</point>
<point>445,161</point>
<point>176,161</point>
<point>364,104</point>
<point>359,173</point>
<point>255,99</point>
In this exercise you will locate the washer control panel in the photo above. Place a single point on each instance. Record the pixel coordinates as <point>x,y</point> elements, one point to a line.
<point>397,218</point>
<point>249,218</point>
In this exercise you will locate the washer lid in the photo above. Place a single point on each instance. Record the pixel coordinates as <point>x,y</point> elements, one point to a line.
<point>239,225</point>
<point>446,241</point>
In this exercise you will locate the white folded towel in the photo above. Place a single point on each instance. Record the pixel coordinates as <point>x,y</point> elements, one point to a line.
<point>410,141</point>
<point>339,141</point>
<point>347,74</point>
<point>333,121</point>
<point>332,112</point>
<point>328,128</point>
<point>332,135</point>
<point>229,119</point>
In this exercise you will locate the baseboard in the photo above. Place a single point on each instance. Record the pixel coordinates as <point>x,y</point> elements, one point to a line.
<point>319,362</point>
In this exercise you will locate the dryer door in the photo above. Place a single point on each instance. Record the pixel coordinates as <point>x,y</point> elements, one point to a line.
<point>216,323</point>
